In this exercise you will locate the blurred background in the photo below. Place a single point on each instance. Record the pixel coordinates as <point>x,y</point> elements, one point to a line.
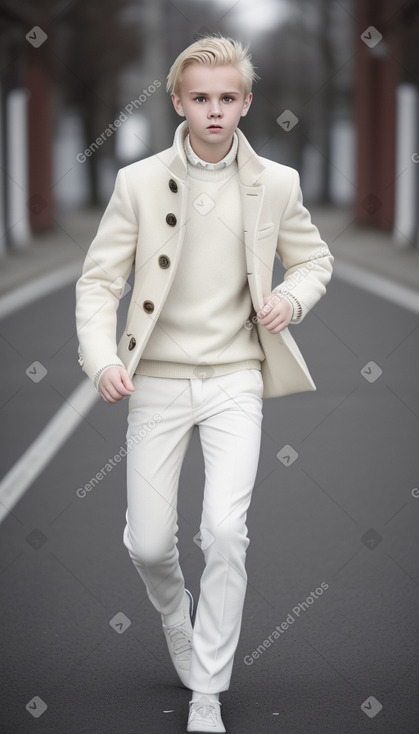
<point>83,93</point>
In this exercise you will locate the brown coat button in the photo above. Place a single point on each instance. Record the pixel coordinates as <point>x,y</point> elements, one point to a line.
<point>148,306</point>
<point>164,261</point>
<point>172,185</point>
<point>171,219</point>
<point>132,344</point>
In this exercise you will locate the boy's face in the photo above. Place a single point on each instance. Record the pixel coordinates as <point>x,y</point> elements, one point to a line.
<point>212,100</point>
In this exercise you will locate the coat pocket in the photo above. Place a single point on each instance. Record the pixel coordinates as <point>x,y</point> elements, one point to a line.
<point>266,231</point>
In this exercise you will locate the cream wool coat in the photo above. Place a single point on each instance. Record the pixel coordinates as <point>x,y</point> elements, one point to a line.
<point>144,225</point>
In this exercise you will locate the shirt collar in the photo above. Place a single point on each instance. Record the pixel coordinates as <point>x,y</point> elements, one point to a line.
<point>250,165</point>
<point>196,161</point>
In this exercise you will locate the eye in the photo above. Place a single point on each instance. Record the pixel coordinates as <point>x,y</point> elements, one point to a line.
<point>198,99</point>
<point>228,98</point>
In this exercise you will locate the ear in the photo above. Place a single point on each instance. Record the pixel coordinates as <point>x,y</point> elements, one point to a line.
<point>246,104</point>
<point>177,104</point>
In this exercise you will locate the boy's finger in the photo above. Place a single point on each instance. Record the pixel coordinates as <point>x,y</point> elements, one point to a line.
<point>127,383</point>
<point>122,391</point>
<point>107,396</point>
<point>267,318</point>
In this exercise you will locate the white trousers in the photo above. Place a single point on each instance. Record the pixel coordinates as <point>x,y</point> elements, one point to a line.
<point>228,412</point>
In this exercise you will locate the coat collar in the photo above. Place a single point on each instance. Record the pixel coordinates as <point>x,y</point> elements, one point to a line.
<point>249,164</point>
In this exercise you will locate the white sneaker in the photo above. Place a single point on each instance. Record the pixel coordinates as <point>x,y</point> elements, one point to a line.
<point>179,640</point>
<point>205,715</point>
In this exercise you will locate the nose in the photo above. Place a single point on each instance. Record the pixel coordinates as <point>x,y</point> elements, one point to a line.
<point>215,109</point>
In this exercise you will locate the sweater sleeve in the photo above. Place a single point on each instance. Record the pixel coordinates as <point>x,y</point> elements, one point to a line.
<point>106,268</point>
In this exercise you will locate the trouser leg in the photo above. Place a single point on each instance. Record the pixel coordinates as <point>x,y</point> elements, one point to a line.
<point>159,415</point>
<point>230,433</point>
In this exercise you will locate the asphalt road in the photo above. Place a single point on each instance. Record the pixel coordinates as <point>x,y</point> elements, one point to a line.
<point>332,563</point>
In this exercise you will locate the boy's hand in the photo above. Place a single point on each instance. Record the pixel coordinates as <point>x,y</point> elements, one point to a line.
<point>276,312</point>
<point>115,384</point>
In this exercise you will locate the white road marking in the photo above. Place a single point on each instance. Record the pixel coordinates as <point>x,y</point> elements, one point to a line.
<point>377,284</point>
<point>25,294</point>
<point>43,449</point>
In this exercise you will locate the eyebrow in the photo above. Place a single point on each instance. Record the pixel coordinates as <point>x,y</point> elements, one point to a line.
<point>205,93</point>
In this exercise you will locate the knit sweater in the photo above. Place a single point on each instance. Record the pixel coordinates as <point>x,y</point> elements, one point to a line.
<point>201,330</point>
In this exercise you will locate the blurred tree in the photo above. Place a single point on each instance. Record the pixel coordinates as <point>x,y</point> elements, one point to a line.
<point>93,42</point>
<point>306,66</point>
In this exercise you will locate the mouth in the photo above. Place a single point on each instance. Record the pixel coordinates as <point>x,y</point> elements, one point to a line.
<point>214,127</point>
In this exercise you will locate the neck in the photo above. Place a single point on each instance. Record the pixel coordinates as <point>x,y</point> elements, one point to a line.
<point>210,153</point>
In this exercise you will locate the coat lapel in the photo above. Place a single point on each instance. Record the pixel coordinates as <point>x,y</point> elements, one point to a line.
<point>252,200</point>
<point>252,195</point>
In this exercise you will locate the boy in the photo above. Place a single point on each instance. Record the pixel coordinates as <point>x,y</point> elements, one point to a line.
<point>205,341</point>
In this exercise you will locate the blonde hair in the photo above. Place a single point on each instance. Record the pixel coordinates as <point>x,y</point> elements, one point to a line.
<point>216,50</point>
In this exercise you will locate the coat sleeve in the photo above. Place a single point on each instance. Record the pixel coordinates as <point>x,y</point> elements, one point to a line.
<point>106,268</point>
<point>305,256</point>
